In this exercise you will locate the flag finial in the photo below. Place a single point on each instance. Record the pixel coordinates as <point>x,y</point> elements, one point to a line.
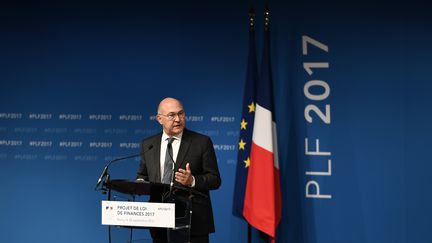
<point>266,18</point>
<point>251,19</point>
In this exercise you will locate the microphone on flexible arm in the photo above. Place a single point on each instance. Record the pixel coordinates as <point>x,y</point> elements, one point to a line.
<point>105,170</point>
<point>173,167</point>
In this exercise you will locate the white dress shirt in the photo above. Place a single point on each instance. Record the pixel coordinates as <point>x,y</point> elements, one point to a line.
<point>175,148</point>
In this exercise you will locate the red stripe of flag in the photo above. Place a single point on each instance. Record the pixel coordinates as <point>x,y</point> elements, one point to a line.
<point>262,200</point>
<point>262,208</point>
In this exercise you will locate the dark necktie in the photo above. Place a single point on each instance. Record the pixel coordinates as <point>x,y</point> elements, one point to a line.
<point>169,163</point>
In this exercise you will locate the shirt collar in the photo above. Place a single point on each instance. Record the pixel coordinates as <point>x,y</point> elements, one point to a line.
<point>176,137</point>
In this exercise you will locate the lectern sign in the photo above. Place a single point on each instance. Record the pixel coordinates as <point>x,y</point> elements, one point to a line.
<point>140,214</point>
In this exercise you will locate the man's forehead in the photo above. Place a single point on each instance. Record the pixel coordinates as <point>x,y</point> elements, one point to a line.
<point>172,108</point>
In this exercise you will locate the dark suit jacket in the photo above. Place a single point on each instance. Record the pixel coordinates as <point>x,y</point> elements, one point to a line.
<point>197,150</point>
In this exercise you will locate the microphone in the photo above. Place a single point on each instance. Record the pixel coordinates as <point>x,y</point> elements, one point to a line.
<point>173,167</point>
<point>105,170</point>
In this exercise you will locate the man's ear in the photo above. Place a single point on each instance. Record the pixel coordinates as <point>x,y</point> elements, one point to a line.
<point>159,119</point>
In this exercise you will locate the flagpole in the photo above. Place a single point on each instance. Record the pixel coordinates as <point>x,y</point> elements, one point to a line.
<point>271,239</point>
<point>266,30</point>
<point>251,29</point>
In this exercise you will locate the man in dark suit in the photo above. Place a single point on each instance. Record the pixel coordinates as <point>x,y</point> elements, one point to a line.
<point>195,166</point>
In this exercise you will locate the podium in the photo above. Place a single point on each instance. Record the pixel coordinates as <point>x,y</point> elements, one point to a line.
<point>178,195</point>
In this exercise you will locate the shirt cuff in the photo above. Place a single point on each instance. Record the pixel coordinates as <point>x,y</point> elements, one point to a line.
<point>193,182</point>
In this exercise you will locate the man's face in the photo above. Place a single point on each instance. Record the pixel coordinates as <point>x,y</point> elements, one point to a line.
<point>171,116</point>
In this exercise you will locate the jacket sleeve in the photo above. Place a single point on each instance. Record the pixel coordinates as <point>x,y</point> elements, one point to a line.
<point>142,170</point>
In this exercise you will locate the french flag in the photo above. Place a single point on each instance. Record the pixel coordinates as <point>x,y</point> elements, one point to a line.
<point>262,205</point>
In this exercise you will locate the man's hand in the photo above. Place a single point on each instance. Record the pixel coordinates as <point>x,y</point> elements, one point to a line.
<point>184,177</point>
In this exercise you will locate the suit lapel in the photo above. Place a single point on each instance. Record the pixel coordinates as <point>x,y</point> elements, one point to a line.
<point>184,147</point>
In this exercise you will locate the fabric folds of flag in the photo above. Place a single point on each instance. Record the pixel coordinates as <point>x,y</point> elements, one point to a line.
<point>246,125</point>
<point>262,205</point>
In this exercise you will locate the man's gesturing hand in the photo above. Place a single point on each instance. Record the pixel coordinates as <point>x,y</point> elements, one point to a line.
<point>184,177</point>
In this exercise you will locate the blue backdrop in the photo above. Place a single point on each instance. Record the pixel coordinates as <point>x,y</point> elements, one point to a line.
<point>80,83</point>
